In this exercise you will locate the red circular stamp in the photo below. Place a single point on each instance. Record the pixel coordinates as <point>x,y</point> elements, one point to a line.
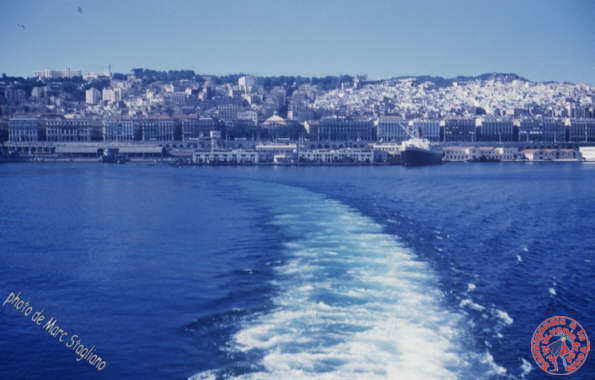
<point>560,345</point>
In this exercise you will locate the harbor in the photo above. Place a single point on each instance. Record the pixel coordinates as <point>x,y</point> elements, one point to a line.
<point>246,153</point>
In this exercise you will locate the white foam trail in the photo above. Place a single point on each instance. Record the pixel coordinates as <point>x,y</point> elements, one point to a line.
<point>206,375</point>
<point>503,316</point>
<point>495,369</point>
<point>471,305</point>
<point>353,303</point>
<point>526,367</point>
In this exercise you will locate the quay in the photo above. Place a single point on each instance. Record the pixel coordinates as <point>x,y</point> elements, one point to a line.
<point>214,151</point>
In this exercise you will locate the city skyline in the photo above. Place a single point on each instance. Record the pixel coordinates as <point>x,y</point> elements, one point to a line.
<point>541,41</point>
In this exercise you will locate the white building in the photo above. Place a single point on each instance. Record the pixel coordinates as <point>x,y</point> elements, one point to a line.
<point>551,154</point>
<point>390,148</point>
<point>455,154</point>
<point>508,154</point>
<point>111,95</point>
<point>38,92</point>
<point>92,96</point>
<point>480,153</point>
<point>387,152</point>
<point>48,74</point>
<point>225,157</point>
<point>96,75</point>
<point>70,73</point>
<point>267,152</point>
<point>23,129</point>
<point>587,152</point>
<point>337,155</point>
<point>248,115</point>
<point>285,158</point>
<point>491,153</point>
<point>246,83</point>
<point>51,74</point>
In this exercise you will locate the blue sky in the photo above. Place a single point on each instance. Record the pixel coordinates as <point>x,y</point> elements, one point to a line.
<point>538,39</point>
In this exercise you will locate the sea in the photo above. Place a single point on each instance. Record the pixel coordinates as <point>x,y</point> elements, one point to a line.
<point>203,273</point>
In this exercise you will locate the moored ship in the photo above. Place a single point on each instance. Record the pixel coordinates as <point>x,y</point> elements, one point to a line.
<point>419,152</point>
<point>7,156</point>
<point>113,156</point>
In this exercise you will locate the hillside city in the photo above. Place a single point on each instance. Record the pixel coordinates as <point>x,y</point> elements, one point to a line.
<point>208,112</point>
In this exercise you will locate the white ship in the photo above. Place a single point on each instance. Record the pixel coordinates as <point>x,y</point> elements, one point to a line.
<point>587,152</point>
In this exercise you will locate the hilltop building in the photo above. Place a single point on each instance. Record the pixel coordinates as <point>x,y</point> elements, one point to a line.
<point>92,96</point>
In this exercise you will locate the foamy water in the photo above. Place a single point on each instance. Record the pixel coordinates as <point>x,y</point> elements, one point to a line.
<point>353,303</point>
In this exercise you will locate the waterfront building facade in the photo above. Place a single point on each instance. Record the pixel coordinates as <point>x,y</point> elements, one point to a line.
<point>496,131</point>
<point>23,129</point>
<point>3,130</point>
<point>392,128</point>
<point>490,153</point>
<point>225,157</point>
<point>587,153</point>
<point>267,152</point>
<point>551,154</point>
<point>190,129</point>
<point>343,129</point>
<point>387,152</point>
<point>542,130</point>
<point>427,129</point>
<point>195,128</point>
<point>73,130</point>
<point>343,155</point>
<point>157,129</point>
<point>455,154</point>
<point>120,130</point>
<point>460,130</point>
<point>581,130</point>
<point>508,153</point>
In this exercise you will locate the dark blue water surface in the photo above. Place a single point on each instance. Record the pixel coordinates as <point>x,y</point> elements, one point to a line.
<point>282,273</point>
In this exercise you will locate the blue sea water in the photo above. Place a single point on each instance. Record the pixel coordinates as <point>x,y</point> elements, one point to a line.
<point>285,273</point>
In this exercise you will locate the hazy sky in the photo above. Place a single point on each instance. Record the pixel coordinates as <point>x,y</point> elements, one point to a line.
<point>538,39</point>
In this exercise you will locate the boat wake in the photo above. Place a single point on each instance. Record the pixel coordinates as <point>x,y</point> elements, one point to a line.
<point>351,303</point>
